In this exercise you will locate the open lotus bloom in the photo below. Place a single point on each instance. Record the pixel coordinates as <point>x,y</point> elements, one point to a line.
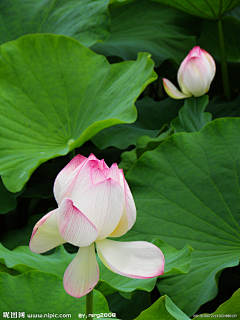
<point>95,202</point>
<point>195,75</point>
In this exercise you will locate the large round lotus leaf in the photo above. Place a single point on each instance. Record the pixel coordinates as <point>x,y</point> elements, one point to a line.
<point>210,9</point>
<point>187,192</point>
<point>88,21</point>
<point>55,95</point>
<point>144,26</point>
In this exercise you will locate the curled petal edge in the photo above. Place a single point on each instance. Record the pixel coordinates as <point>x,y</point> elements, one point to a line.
<point>172,91</point>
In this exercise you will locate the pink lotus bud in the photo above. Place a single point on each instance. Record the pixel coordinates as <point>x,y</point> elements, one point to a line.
<point>195,75</point>
<point>95,203</point>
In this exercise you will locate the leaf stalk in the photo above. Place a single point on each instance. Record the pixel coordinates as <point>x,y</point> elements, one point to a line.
<point>223,58</point>
<point>89,305</point>
<point>72,154</point>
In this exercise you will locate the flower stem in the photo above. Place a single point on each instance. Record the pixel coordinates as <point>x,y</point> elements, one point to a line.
<point>72,154</point>
<point>225,78</point>
<point>89,304</point>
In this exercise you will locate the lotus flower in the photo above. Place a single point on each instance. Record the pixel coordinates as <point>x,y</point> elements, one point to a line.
<point>95,202</point>
<point>195,75</point>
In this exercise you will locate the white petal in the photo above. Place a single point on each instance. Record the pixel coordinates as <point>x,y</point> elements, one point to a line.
<point>114,173</point>
<point>103,205</point>
<point>97,174</point>
<point>195,52</point>
<point>211,63</point>
<point>102,165</point>
<point>89,175</point>
<point>62,182</point>
<point>136,259</point>
<point>196,77</point>
<point>82,274</point>
<point>122,226</point>
<point>130,206</point>
<point>129,214</point>
<point>76,180</point>
<point>172,91</point>
<point>45,235</point>
<point>74,226</point>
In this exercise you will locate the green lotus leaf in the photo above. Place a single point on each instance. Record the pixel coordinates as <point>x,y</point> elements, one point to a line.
<point>231,28</point>
<point>142,26</point>
<point>187,193</point>
<point>192,116</point>
<point>152,116</point>
<point>144,144</point>
<point>176,261</point>
<point>10,271</point>
<point>174,310</point>
<point>163,309</point>
<point>40,292</point>
<point>117,3</point>
<point>209,41</point>
<point>211,9</point>
<point>55,95</point>
<point>230,307</point>
<point>88,21</point>
<point>220,108</point>
<point>8,200</point>
<point>128,308</point>
<point>23,260</point>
